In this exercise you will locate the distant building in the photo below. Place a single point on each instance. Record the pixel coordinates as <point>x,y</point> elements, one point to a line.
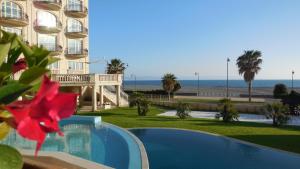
<point>61,26</point>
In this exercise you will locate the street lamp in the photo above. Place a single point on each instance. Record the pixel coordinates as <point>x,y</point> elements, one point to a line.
<point>198,92</point>
<point>293,72</point>
<point>227,86</point>
<point>134,76</point>
<point>123,84</point>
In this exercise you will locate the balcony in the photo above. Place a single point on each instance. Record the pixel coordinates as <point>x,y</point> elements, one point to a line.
<point>76,55</point>
<point>48,29</point>
<point>77,11</point>
<point>53,5</point>
<point>20,20</point>
<point>87,79</point>
<point>56,51</point>
<point>74,34</point>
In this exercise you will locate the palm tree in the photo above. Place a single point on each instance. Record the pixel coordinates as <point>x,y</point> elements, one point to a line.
<point>249,65</point>
<point>116,66</point>
<point>168,82</point>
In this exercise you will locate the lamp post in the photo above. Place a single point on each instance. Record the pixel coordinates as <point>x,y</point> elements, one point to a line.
<point>293,72</point>
<point>134,76</point>
<point>198,86</point>
<point>227,85</point>
<point>123,84</point>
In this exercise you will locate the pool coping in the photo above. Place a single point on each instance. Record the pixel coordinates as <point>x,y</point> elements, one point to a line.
<point>226,137</point>
<point>143,153</point>
<point>62,156</point>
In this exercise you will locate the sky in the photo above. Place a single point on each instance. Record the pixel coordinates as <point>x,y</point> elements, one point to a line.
<point>155,37</point>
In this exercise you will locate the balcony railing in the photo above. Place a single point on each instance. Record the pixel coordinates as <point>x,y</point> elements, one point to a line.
<point>74,78</point>
<point>54,5</point>
<point>73,34</point>
<point>47,29</point>
<point>57,50</point>
<point>88,79</point>
<point>18,20</point>
<point>76,53</point>
<point>76,11</point>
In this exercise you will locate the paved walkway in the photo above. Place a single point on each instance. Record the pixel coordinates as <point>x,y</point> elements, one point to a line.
<point>243,117</point>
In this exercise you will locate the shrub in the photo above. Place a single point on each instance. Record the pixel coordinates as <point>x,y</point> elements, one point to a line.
<point>278,112</point>
<point>138,99</point>
<point>227,111</point>
<point>280,90</point>
<point>143,107</point>
<point>183,110</point>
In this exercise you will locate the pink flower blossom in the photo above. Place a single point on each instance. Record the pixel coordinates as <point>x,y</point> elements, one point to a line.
<point>41,115</point>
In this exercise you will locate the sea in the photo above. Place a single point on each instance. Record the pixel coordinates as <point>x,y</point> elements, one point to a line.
<point>216,83</point>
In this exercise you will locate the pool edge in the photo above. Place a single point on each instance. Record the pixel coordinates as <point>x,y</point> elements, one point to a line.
<point>143,153</point>
<point>226,137</point>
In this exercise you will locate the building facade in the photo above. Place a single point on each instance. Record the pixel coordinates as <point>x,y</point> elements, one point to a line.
<point>61,26</point>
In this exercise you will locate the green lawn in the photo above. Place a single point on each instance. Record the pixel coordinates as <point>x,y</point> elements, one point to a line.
<point>285,138</point>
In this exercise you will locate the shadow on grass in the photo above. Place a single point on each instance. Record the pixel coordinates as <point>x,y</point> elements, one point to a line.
<point>159,119</point>
<point>283,142</point>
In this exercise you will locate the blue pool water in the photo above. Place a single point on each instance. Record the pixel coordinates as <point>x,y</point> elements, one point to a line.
<point>105,144</point>
<point>180,149</point>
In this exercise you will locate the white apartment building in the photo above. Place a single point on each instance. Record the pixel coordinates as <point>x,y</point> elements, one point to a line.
<point>61,26</point>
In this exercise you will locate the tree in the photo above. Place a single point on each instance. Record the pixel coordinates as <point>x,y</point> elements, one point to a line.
<point>183,110</point>
<point>116,66</point>
<point>249,65</point>
<point>138,99</point>
<point>177,87</point>
<point>227,111</point>
<point>293,102</point>
<point>278,112</point>
<point>170,84</point>
<point>280,90</point>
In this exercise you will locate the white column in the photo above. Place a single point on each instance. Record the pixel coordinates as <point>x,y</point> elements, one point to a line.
<point>94,99</point>
<point>118,93</point>
<point>101,96</point>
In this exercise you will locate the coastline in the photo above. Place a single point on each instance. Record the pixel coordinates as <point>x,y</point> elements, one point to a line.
<point>210,91</point>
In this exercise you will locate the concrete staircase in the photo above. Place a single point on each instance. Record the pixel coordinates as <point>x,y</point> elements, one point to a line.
<point>110,94</point>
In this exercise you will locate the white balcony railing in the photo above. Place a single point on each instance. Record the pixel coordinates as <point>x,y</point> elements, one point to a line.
<point>113,79</point>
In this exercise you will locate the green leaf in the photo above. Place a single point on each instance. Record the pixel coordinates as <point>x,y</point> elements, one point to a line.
<point>11,92</point>
<point>48,61</point>
<point>4,130</point>
<point>14,55</point>
<point>32,74</point>
<point>28,53</point>
<point>10,158</point>
<point>4,49</point>
<point>41,54</point>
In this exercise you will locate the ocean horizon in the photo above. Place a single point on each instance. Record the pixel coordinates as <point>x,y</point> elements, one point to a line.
<point>217,83</point>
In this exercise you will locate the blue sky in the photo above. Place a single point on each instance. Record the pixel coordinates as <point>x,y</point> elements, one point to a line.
<point>184,36</point>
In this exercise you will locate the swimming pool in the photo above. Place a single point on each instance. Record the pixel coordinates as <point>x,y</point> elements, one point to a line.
<point>90,139</point>
<point>182,149</point>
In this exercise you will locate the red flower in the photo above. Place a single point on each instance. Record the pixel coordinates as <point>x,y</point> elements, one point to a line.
<point>19,65</point>
<point>39,116</point>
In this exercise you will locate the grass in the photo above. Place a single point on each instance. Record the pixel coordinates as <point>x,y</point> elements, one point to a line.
<point>284,138</point>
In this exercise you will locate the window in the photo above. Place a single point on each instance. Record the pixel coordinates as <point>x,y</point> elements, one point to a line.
<point>74,46</point>
<point>74,5</point>
<point>11,10</point>
<point>74,25</point>
<point>75,65</point>
<point>13,30</point>
<point>54,66</point>
<point>46,19</point>
<point>47,41</point>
